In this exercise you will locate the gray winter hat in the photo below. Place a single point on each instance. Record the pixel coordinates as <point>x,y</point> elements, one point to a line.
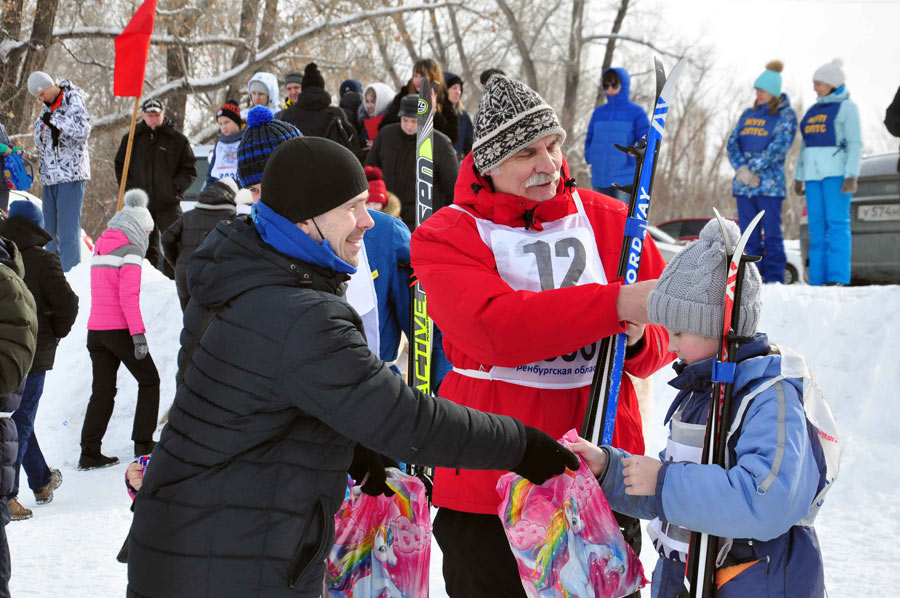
<point>38,81</point>
<point>510,116</point>
<point>134,218</point>
<point>690,294</point>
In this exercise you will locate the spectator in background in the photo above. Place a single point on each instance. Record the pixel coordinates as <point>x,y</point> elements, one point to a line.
<point>394,152</point>
<point>6,149</point>
<point>163,165</point>
<point>214,204</point>
<point>444,119</point>
<point>377,99</point>
<point>292,83</point>
<point>223,157</point>
<point>380,199</point>
<point>466,132</point>
<point>314,115</point>
<point>757,149</point>
<point>827,171</point>
<point>892,118</point>
<point>18,340</point>
<point>620,121</point>
<point>57,307</point>
<point>350,100</point>
<point>263,90</point>
<point>61,134</point>
<point>116,332</point>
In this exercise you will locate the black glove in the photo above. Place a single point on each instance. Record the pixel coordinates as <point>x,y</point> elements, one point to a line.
<point>54,132</point>
<point>140,346</point>
<point>544,457</point>
<point>369,462</point>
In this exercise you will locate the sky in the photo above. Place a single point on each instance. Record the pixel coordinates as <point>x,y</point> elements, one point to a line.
<point>803,34</point>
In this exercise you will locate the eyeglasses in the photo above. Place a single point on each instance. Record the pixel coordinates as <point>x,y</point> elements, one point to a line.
<point>610,85</point>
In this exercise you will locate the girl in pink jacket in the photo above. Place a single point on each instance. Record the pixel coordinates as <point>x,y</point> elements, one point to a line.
<point>116,331</point>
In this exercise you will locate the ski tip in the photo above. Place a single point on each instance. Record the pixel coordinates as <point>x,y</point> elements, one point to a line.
<point>671,82</point>
<point>660,75</point>
<point>726,239</point>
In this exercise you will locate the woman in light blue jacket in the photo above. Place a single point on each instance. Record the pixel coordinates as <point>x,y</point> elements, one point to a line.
<point>828,168</point>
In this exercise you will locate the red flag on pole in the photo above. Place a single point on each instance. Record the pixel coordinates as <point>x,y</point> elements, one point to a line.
<point>132,47</point>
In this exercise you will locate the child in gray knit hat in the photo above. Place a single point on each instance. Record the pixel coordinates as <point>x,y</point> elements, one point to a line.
<point>766,496</point>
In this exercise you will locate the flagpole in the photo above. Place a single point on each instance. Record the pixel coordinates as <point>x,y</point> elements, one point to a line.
<point>128,154</point>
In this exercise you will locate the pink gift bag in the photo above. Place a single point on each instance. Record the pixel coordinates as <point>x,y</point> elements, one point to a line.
<point>382,545</point>
<point>565,538</point>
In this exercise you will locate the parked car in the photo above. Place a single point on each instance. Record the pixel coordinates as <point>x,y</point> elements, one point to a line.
<point>667,245</point>
<point>874,223</point>
<point>688,229</point>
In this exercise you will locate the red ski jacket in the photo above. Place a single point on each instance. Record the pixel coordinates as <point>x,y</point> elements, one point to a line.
<point>486,323</point>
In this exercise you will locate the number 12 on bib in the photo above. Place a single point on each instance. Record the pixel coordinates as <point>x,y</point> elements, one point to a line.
<point>420,326</point>
<point>599,422</point>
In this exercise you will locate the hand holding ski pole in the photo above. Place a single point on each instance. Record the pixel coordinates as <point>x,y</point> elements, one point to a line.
<point>641,474</point>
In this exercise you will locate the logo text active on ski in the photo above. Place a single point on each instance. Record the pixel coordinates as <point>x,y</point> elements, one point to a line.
<point>421,344</point>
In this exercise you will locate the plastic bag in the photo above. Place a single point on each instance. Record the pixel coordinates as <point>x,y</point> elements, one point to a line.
<point>382,545</point>
<point>565,538</point>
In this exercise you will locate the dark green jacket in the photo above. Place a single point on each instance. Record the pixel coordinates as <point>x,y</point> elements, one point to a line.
<point>18,321</point>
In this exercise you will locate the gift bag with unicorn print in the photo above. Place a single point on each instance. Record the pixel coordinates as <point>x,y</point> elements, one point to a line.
<point>382,544</point>
<point>565,538</point>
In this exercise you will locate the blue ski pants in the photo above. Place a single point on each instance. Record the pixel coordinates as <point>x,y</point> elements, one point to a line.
<point>773,259</point>
<point>62,219</point>
<point>828,212</point>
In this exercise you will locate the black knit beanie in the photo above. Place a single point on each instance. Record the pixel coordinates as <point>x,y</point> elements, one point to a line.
<point>307,176</point>
<point>312,77</point>
<point>260,138</point>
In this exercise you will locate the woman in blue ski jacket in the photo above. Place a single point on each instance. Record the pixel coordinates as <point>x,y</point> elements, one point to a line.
<point>757,149</point>
<point>766,496</point>
<point>827,171</point>
<point>620,121</point>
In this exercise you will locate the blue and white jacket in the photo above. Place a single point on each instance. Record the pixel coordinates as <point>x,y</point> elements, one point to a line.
<point>620,121</point>
<point>775,473</point>
<point>832,139</point>
<point>761,141</point>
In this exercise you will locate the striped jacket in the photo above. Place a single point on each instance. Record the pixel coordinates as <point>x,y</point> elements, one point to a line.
<point>116,284</point>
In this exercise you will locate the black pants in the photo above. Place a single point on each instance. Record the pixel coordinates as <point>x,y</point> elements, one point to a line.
<point>108,349</point>
<point>477,558</point>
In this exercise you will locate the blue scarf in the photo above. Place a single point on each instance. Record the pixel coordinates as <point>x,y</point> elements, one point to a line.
<point>282,234</point>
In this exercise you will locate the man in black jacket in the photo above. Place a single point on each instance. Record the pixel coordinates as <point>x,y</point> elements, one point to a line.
<point>278,388</point>
<point>314,115</point>
<point>18,338</point>
<point>394,152</point>
<point>163,165</point>
<point>57,307</point>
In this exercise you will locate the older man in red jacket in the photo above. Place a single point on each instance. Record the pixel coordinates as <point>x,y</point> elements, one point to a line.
<point>521,278</point>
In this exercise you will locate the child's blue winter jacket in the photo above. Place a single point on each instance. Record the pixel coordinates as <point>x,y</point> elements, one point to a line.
<point>832,140</point>
<point>761,141</point>
<point>773,476</point>
<point>620,121</point>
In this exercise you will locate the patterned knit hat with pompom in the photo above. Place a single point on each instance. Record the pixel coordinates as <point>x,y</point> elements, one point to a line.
<point>510,117</point>
<point>261,136</point>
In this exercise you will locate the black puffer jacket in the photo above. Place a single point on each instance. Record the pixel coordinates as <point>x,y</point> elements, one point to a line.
<point>240,497</point>
<point>314,115</point>
<point>179,241</point>
<point>394,152</point>
<point>18,338</point>
<point>57,303</point>
<point>162,164</point>
<point>445,121</point>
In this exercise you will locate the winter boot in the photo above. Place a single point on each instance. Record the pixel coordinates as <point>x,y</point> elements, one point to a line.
<point>143,448</point>
<point>95,460</point>
<point>17,512</point>
<point>44,494</point>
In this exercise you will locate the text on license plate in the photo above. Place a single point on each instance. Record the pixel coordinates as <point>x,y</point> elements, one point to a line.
<point>885,211</point>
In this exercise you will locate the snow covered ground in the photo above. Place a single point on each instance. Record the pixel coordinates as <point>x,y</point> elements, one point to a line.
<point>849,336</point>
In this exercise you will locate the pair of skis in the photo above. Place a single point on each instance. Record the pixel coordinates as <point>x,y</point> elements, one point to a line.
<point>700,572</point>
<point>600,415</point>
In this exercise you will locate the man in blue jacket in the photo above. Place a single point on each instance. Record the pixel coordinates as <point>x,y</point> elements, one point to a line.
<point>620,121</point>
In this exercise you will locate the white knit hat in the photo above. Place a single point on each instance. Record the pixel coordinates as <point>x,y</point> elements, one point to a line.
<point>830,73</point>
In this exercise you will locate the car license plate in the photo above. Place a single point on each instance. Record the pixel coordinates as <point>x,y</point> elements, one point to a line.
<point>884,211</point>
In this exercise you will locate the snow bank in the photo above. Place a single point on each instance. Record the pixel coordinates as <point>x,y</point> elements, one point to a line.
<point>847,334</point>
